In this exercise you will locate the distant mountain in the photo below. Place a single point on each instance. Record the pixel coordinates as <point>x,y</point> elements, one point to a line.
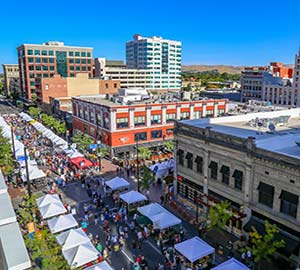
<point>219,68</point>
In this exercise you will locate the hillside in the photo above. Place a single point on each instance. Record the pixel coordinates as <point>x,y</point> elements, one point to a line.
<point>219,68</point>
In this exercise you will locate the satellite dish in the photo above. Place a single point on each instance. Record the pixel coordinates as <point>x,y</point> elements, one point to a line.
<point>271,127</point>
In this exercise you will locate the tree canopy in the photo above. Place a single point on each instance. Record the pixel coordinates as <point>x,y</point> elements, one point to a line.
<point>6,158</point>
<point>218,215</point>
<point>82,141</point>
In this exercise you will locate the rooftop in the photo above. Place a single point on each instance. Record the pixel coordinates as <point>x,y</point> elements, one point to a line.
<point>276,131</point>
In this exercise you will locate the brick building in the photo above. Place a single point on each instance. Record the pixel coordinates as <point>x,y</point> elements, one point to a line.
<point>151,123</point>
<point>48,59</point>
<point>81,84</point>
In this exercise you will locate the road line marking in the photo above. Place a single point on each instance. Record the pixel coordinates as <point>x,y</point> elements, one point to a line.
<point>127,256</point>
<point>154,247</point>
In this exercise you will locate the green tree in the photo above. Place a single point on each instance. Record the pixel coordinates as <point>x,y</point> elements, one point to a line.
<point>218,215</point>
<point>59,127</point>
<point>147,179</point>
<point>6,159</point>
<point>45,249</point>
<point>35,112</point>
<point>144,153</point>
<point>34,97</point>
<point>264,246</point>
<point>169,145</point>
<point>103,150</point>
<point>82,141</point>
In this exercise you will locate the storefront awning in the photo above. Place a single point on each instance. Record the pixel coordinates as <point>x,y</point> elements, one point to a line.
<point>265,188</point>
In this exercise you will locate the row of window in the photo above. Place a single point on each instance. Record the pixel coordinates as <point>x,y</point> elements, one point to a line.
<point>40,60</point>
<point>237,175</point>
<point>79,61</point>
<point>288,204</point>
<point>41,67</point>
<point>51,53</point>
<point>155,134</point>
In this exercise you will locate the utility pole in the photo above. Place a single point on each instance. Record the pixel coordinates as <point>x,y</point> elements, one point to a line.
<point>137,165</point>
<point>27,172</point>
<point>13,141</point>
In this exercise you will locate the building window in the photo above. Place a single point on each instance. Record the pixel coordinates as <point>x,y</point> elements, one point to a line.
<point>189,158</point>
<point>155,119</point>
<point>180,154</point>
<point>38,68</point>
<point>45,67</point>
<point>77,68</point>
<point>30,60</point>
<point>45,75</point>
<point>72,75</point>
<point>265,194</point>
<point>213,166</point>
<point>170,132</point>
<point>37,52</point>
<point>44,52</point>
<point>46,87</point>
<point>197,115</point>
<point>238,179</point>
<point>225,171</point>
<point>289,203</point>
<point>171,117</point>
<point>139,121</point>
<point>83,68</point>
<point>31,67</point>
<point>45,60</point>
<point>141,136</point>
<point>51,60</point>
<point>32,83</point>
<point>83,61</point>
<point>77,61</point>
<point>51,53</point>
<point>38,60</point>
<point>71,61</point>
<point>83,54</point>
<point>106,86</point>
<point>184,115</point>
<point>88,54</point>
<point>156,134</point>
<point>71,53</point>
<point>199,164</point>
<point>122,122</point>
<point>77,53</point>
<point>30,52</point>
<point>209,112</point>
<point>115,85</point>
<point>51,67</point>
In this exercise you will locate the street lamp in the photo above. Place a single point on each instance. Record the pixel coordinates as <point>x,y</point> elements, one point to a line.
<point>99,155</point>
<point>27,172</point>
<point>137,165</point>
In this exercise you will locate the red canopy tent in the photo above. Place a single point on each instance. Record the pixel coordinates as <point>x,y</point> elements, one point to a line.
<point>81,162</point>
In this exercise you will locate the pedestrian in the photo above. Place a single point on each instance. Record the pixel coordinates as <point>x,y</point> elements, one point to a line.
<point>143,263</point>
<point>134,247</point>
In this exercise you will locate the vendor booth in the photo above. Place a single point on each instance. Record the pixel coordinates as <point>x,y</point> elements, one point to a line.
<point>100,266</point>
<point>52,209</point>
<point>72,238</point>
<point>133,199</point>
<point>81,162</point>
<point>62,223</point>
<point>162,221</point>
<point>162,169</point>
<point>197,254</point>
<point>117,184</point>
<point>80,255</point>
<point>49,198</point>
<point>231,264</point>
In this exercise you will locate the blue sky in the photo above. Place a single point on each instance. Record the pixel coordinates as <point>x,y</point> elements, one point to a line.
<point>232,32</point>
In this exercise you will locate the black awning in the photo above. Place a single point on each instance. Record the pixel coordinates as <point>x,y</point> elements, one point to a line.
<point>189,155</point>
<point>237,174</point>
<point>199,159</point>
<point>213,165</point>
<point>180,152</point>
<point>265,188</point>
<point>290,197</point>
<point>224,169</point>
<point>291,244</point>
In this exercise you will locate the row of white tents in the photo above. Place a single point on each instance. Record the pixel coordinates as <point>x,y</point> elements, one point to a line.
<point>56,140</point>
<point>77,248</point>
<point>33,170</point>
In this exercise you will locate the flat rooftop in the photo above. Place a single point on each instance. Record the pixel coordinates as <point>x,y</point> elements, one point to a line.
<point>276,131</point>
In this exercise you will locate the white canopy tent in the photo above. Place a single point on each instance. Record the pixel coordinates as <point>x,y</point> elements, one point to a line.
<point>100,266</point>
<point>133,197</point>
<point>62,223</point>
<point>117,183</point>
<point>162,169</point>
<point>49,198</point>
<point>72,238</point>
<point>160,217</point>
<point>194,249</point>
<point>231,264</point>
<point>81,254</point>
<point>26,117</point>
<point>34,173</point>
<point>52,210</point>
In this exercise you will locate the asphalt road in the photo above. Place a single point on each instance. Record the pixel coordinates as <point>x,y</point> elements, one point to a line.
<point>7,108</point>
